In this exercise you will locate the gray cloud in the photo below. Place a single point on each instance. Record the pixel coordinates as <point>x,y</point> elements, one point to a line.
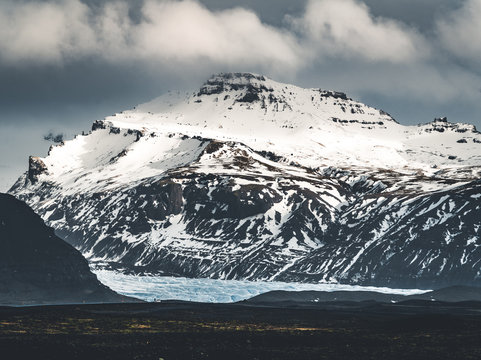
<point>65,63</point>
<point>43,32</point>
<point>180,35</point>
<point>186,31</point>
<point>347,28</point>
<point>56,138</point>
<point>118,47</point>
<point>459,32</point>
<point>420,14</point>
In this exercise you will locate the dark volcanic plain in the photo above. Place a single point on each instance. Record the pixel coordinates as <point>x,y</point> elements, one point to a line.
<point>414,329</point>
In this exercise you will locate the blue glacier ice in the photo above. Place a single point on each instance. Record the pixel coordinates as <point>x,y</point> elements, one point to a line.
<point>152,288</point>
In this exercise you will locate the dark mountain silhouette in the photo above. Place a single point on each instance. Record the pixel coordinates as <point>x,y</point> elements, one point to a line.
<point>38,267</point>
<point>448,294</point>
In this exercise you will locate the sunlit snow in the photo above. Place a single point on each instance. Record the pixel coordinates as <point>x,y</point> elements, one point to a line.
<point>304,126</point>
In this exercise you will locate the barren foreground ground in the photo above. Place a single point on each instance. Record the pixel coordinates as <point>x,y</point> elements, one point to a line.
<point>175,330</point>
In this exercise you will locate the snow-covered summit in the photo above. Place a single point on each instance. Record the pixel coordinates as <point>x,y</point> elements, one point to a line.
<point>251,100</point>
<point>255,87</point>
<point>223,82</point>
<point>309,128</point>
<point>442,124</point>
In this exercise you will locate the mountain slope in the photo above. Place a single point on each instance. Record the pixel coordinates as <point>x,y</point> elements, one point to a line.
<point>254,179</point>
<point>37,267</point>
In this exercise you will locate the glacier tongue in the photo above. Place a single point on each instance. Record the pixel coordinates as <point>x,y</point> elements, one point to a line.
<point>248,178</point>
<point>158,288</point>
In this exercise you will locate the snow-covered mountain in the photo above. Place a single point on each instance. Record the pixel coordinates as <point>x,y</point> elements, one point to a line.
<point>248,178</point>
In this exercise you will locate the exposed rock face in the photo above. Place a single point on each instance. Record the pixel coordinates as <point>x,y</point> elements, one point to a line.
<point>252,179</point>
<point>36,167</point>
<point>408,240</point>
<point>38,267</point>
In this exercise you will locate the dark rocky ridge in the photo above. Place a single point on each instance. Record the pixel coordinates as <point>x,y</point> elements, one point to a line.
<point>450,294</point>
<point>37,267</point>
<point>253,85</point>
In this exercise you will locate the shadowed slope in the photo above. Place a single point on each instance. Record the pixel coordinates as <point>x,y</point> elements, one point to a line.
<point>36,266</point>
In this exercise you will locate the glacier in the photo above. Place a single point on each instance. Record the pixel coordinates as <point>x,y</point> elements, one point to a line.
<point>158,288</point>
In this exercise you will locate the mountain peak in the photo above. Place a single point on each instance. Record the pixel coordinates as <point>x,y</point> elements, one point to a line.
<point>238,77</point>
<point>225,82</point>
<point>256,179</point>
<point>312,128</point>
<point>252,85</point>
<point>442,124</point>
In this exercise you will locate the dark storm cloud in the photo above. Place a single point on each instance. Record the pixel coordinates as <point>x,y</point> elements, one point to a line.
<point>55,138</point>
<point>87,83</point>
<point>66,63</point>
<point>108,73</point>
<point>269,11</point>
<point>114,54</point>
<point>418,13</point>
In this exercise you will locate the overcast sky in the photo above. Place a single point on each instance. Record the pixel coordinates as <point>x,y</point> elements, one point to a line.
<point>64,64</point>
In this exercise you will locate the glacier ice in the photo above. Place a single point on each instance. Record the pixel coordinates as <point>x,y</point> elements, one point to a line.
<point>152,288</point>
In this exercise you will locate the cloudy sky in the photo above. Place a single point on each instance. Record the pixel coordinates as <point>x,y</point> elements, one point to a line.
<point>65,63</point>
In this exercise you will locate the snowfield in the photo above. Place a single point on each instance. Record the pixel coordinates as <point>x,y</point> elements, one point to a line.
<point>309,128</point>
<point>150,288</point>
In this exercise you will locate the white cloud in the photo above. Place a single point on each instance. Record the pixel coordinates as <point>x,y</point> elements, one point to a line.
<point>188,31</point>
<point>346,28</point>
<point>459,31</point>
<point>43,32</point>
<point>185,31</point>
<point>378,54</point>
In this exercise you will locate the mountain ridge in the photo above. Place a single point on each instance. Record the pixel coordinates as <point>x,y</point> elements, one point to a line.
<point>453,294</point>
<point>248,178</point>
